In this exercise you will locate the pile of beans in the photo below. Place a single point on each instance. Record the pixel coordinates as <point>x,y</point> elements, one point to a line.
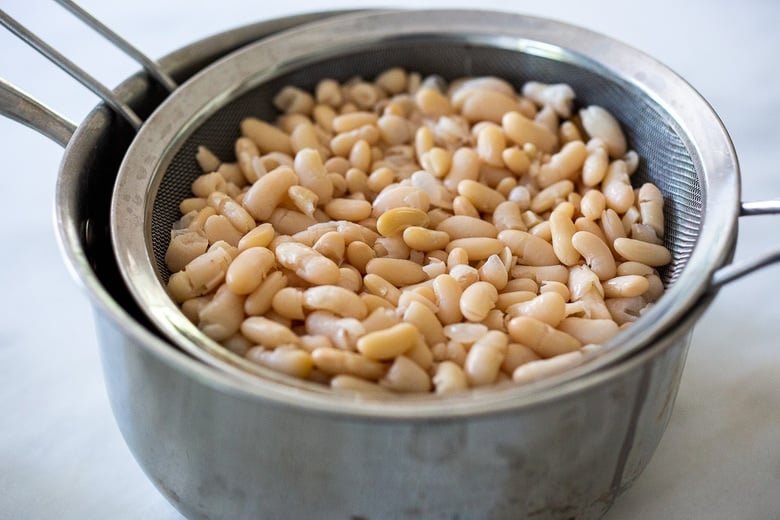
<point>409,235</point>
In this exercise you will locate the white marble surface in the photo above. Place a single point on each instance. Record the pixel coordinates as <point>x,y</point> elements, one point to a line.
<point>61,455</point>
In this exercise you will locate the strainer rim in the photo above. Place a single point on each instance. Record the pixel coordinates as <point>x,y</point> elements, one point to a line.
<point>156,139</point>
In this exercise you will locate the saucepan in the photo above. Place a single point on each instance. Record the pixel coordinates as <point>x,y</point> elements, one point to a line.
<point>218,444</point>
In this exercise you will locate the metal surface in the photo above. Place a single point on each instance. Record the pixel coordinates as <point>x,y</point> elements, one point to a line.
<point>670,125</point>
<point>218,448</point>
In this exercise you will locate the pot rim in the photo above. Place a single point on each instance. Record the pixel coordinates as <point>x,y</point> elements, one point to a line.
<point>715,246</point>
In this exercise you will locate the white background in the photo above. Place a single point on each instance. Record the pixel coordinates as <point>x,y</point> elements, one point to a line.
<point>61,454</point>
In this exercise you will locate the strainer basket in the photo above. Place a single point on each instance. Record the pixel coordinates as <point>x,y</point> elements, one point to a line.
<point>684,148</point>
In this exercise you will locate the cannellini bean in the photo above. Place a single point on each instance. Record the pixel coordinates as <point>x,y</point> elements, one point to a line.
<point>185,246</point>
<point>449,378</point>
<point>641,269</point>
<point>424,319</point>
<point>265,194</point>
<point>465,166</point>
<point>465,333</point>
<point>378,286</point>
<point>612,228</point>
<point>427,183</point>
<point>292,100</point>
<point>549,307</point>
<point>338,362</point>
<point>651,206</point>
<point>307,263</point>
<point>617,189</point>
<point>288,302</point>
<point>304,199</point>
<point>477,300</point>
<point>335,299</point>
<point>207,161</point>
<point>248,156</point>
<point>461,226</point>
<point>405,375</point>
<point>563,165</point>
<point>516,355</point>
<point>522,130</point>
<point>247,271</point>
<point>595,166</point>
<point>596,254</point>
<point>260,236</point>
<point>589,330</point>
<point>221,317</point>
<point>397,271</point>
<point>350,278</point>
<point>239,218</point>
<point>380,318</point>
<point>559,96</point>
<point>655,288</point>
<point>477,248</point>
<point>536,370</point>
<point>542,338</point>
<point>530,250</point>
<point>485,357</point>
<point>541,273</point>
<point>347,383</point>
<point>342,332</point>
<point>448,294</point>
<point>348,209</point>
<point>268,333</point>
<point>625,310</point>
<point>626,286</point>
<point>507,216</point>
<point>635,250</point>
<point>562,230</point>
<point>508,299</point>
<point>313,175</point>
<point>193,204</point>
<point>218,228</point>
<point>491,144</point>
<point>208,183</point>
<point>396,220</point>
<point>592,204</point>
<point>601,124</point>
<point>423,239</point>
<point>287,360</point>
<point>487,105</point>
<point>200,276</point>
<point>483,198</point>
<point>260,300</point>
<point>549,197</point>
<point>395,196</point>
<point>267,137</point>
<point>388,343</point>
<point>495,272</point>
<point>332,246</point>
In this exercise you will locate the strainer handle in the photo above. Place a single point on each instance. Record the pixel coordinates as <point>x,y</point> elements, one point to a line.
<point>80,74</point>
<point>738,270</point>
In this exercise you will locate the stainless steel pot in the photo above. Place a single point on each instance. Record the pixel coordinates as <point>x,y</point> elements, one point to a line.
<point>216,448</point>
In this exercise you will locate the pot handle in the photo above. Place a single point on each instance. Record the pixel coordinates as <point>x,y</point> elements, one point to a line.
<point>738,270</point>
<point>23,108</point>
<point>13,106</point>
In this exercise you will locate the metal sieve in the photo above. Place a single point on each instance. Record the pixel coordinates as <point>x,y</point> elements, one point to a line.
<point>219,446</point>
<point>684,148</point>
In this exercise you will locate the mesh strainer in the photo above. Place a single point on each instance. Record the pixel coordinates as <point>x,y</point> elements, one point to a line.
<point>684,148</point>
